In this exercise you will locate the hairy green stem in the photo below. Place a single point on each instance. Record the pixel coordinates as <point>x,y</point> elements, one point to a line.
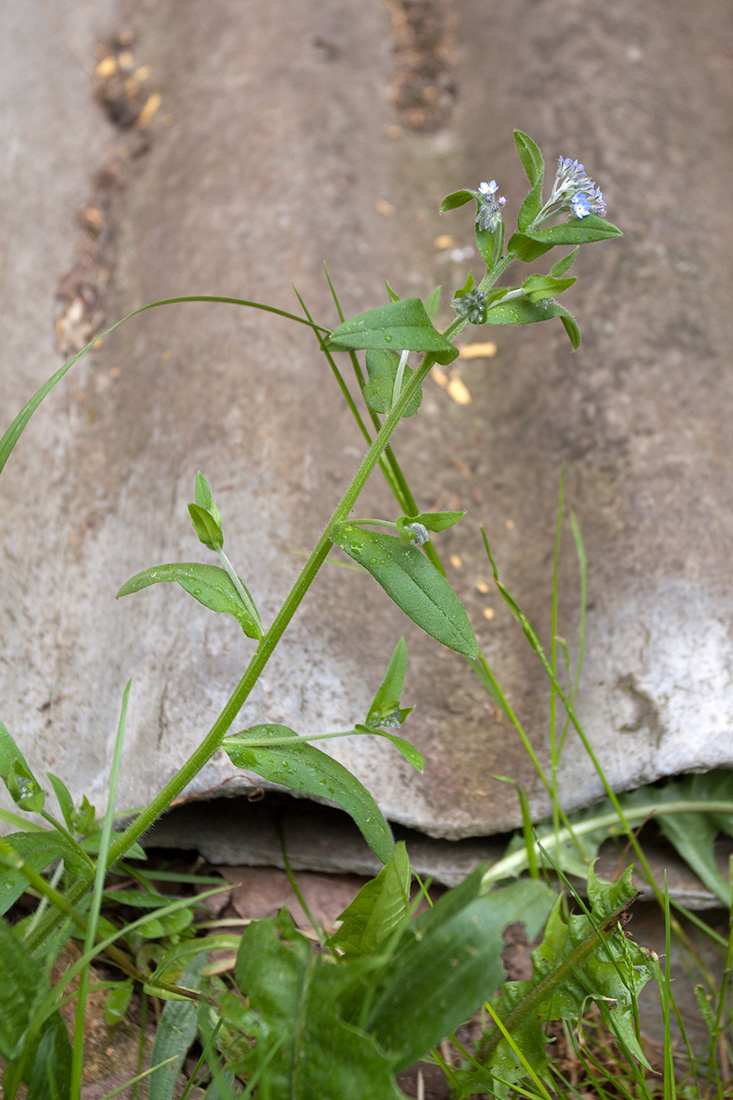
<point>213,739</point>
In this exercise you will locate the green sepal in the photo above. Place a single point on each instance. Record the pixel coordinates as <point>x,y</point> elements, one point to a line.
<point>23,786</point>
<point>456,199</point>
<point>209,584</point>
<point>382,370</point>
<point>304,768</point>
<point>412,582</point>
<point>401,325</point>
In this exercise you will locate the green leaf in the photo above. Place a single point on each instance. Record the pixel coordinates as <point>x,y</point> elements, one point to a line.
<point>399,326</point>
<point>379,390</point>
<point>305,1049</point>
<point>561,266</point>
<point>537,288</point>
<point>64,799</point>
<point>530,156</point>
<point>412,582</point>
<point>209,584</point>
<point>302,767</point>
<point>526,248</point>
<point>456,199</point>
<point>205,498</point>
<point>580,959</point>
<point>392,294</point>
<point>208,531</point>
<point>432,302</point>
<point>577,231</point>
<point>447,964</point>
<point>170,924</point>
<point>175,1033</point>
<point>34,1047</point>
<point>534,166</point>
<point>520,311</point>
<point>117,1002</point>
<point>384,709</point>
<point>38,850</point>
<point>23,786</point>
<point>410,753</point>
<point>432,521</point>
<point>379,908</point>
<point>693,834</point>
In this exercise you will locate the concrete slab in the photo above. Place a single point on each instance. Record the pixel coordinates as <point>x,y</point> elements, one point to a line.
<point>281,151</point>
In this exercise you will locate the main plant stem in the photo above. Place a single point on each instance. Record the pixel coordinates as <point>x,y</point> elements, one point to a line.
<point>213,739</point>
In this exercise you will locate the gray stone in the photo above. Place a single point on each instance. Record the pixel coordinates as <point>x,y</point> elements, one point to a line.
<point>272,152</point>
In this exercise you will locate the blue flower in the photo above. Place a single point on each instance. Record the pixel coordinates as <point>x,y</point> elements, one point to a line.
<point>487,189</point>
<point>581,205</point>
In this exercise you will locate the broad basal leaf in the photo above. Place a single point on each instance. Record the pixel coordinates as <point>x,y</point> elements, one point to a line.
<point>305,1050</point>
<point>302,767</point>
<point>580,959</point>
<point>448,963</point>
<point>412,582</point>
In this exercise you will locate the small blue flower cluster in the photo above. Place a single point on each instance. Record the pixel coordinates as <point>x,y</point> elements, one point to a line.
<point>490,208</point>
<point>472,306</point>
<point>574,190</point>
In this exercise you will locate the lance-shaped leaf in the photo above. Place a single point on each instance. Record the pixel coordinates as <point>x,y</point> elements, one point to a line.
<point>576,231</point>
<point>209,584</point>
<point>205,516</point>
<point>538,288</point>
<point>520,311</point>
<point>24,788</point>
<point>385,709</point>
<point>304,768</point>
<point>456,199</point>
<point>531,158</point>
<point>378,909</point>
<point>412,582</point>
<point>399,326</point>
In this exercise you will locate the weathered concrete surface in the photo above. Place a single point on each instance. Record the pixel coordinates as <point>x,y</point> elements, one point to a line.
<point>276,158</point>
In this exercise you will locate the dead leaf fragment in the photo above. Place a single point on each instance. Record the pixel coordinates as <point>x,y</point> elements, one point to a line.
<point>457,389</point>
<point>150,107</point>
<point>386,208</point>
<point>478,351</point>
